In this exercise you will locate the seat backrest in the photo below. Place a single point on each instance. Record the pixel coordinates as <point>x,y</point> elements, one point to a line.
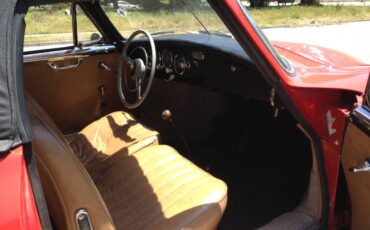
<point>67,186</point>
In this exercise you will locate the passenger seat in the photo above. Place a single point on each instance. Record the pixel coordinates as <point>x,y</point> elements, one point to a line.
<point>151,187</point>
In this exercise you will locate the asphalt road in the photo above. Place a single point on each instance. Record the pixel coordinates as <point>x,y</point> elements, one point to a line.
<point>351,38</point>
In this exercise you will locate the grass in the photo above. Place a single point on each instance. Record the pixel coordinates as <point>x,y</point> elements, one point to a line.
<point>45,22</point>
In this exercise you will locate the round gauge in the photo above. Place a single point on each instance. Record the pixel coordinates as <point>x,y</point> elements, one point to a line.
<point>180,64</point>
<point>167,58</point>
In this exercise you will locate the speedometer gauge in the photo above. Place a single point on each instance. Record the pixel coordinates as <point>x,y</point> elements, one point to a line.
<point>180,64</point>
<point>167,58</point>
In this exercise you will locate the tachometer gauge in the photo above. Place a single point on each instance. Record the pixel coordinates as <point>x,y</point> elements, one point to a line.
<point>167,58</point>
<point>180,64</point>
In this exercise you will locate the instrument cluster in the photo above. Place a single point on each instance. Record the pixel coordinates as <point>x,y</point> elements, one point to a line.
<point>173,64</point>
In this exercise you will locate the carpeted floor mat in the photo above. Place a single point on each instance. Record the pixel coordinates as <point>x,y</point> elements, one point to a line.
<point>264,161</point>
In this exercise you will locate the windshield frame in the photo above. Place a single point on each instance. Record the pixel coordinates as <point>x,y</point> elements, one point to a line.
<point>283,62</point>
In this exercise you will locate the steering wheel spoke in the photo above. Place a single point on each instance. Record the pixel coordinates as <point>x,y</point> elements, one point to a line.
<point>139,82</point>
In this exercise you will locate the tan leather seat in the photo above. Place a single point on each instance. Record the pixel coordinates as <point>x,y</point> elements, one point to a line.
<point>124,187</point>
<point>67,185</point>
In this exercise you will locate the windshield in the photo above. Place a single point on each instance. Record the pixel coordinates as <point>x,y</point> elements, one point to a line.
<point>164,16</point>
<point>160,17</point>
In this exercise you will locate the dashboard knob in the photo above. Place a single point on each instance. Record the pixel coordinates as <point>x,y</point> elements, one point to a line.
<point>168,70</point>
<point>166,115</point>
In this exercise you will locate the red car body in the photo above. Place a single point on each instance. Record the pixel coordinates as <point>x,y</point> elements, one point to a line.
<point>322,76</point>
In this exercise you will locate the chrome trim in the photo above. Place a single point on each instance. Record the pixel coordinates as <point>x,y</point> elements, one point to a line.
<point>365,167</point>
<point>106,67</point>
<point>177,62</point>
<point>283,62</point>
<point>42,56</point>
<point>362,115</point>
<point>55,66</point>
<point>66,58</point>
<point>83,220</point>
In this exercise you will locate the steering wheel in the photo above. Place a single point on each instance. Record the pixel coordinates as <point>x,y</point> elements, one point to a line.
<point>135,70</point>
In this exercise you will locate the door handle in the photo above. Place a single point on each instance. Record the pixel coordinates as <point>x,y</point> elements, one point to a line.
<point>365,167</point>
<point>54,65</point>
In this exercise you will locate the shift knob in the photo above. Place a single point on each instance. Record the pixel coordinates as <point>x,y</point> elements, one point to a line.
<point>166,115</point>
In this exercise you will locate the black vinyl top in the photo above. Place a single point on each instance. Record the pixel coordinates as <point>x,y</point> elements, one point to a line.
<point>46,2</point>
<point>8,124</point>
<point>14,122</point>
<point>13,116</point>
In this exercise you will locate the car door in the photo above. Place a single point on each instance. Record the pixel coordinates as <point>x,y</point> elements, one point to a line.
<point>63,72</point>
<point>356,162</point>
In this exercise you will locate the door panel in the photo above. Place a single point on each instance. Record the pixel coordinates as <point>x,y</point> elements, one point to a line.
<point>70,91</point>
<point>356,163</point>
<point>356,150</point>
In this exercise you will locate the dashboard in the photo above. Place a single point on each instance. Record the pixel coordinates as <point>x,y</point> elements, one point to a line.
<point>210,61</point>
<point>173,64</point>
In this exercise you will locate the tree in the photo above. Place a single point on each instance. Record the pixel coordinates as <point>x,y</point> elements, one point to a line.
<point>115,4</point>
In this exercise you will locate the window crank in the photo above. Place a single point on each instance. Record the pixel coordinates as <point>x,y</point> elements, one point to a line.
<point>106,67</point>
<point>363,168</point>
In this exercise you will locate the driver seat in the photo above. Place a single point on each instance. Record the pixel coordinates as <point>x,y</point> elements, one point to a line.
<point>121,186</point>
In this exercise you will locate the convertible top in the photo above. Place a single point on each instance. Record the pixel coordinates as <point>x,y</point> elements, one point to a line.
<point>13,117</point>
<point>45,2</point>
<point>14,122</point>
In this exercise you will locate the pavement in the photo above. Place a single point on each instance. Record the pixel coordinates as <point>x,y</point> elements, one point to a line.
<point>336,3</point>
<point>326,3</point>
<point>352,38</point>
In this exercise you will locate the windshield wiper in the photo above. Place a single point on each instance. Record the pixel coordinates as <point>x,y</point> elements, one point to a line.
<point>195,16</point>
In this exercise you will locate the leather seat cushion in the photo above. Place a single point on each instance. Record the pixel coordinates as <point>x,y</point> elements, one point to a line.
<point>157,188</point>
<point>109,135</point>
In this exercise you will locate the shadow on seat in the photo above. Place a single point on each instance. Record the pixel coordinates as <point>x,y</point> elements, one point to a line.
<point>121,131</point>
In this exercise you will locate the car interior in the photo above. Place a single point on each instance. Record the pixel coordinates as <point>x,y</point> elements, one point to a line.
<point>211,146</point>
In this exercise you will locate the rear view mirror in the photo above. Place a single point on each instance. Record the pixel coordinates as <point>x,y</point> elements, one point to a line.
<point>95,37</point>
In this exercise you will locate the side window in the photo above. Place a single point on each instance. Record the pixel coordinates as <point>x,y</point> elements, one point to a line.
<point>52,26</point>
<point>87,32</point>
<point>48,26</point>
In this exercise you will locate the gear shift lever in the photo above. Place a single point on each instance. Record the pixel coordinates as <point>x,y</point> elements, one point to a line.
<point>167,116</point>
